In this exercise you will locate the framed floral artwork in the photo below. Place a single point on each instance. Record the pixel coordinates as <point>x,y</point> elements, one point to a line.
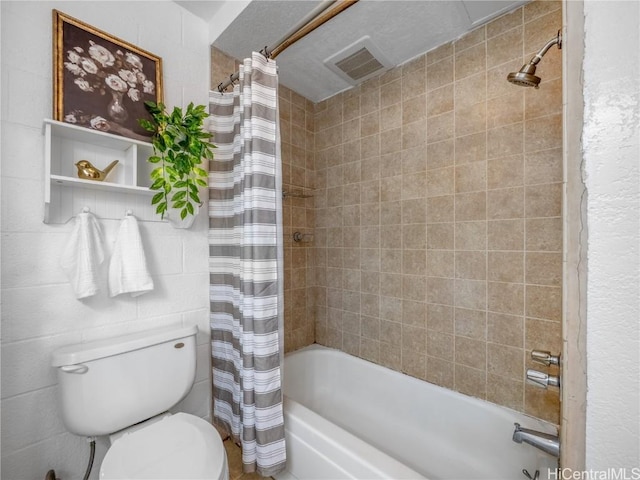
<point>101,82</point>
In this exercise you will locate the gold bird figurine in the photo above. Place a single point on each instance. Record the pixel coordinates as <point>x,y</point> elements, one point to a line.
<point>89,172</point>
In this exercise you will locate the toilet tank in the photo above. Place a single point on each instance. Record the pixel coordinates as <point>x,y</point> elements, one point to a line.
<point>107,385</point>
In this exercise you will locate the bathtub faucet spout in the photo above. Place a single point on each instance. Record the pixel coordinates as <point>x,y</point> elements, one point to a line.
<point>543,441</point>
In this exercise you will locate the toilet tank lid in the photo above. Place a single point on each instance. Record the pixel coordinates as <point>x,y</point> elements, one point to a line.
<point>85,352</point>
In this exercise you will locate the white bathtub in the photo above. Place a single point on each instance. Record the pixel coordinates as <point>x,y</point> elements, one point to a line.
<point>349,418</point>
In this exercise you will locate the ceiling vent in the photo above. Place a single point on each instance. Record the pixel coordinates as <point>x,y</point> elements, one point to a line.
<point>358,62</point>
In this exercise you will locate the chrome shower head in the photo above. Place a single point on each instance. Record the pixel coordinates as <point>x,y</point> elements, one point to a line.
<point>525,77</point>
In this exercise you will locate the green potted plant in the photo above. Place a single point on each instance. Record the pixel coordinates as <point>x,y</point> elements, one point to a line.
<point>180,144</point>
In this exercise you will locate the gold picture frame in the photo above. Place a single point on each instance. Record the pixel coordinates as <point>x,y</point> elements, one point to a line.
<point>101,82</point>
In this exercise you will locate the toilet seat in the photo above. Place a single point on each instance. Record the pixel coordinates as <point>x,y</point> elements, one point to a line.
<point>179,446</point>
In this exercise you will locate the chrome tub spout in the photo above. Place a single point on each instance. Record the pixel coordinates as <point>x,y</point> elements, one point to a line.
<point>547,443</point>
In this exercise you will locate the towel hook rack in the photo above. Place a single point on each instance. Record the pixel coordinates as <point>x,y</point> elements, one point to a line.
<point>110,214</point>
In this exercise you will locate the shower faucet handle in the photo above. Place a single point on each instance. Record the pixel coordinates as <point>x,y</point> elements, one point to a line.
<point>545,358</point>
<point>541,379</point>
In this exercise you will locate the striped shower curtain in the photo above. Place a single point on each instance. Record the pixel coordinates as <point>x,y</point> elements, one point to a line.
<point>245,266</point>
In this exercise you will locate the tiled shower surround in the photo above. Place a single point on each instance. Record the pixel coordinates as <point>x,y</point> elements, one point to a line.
<point>438,232</point>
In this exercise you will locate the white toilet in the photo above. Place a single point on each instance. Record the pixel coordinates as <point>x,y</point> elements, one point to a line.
<point>123,387</point>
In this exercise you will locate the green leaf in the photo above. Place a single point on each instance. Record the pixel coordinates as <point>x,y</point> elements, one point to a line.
<point>153,108</point>
<point>173,130</point>
<point>200,171</point>
<point>190,208</point>
<point>158,183</point>
<point>154,159</point>
<point>147,125</point>
<point>161,208</point>
<point>201,182</point>
<point>176,115</point>
<point>183,213</point>
<point>158,144</point>
<point>167,139</point>
<point>182,163</point>
<point>194,197</point>
<point>157,197</point>
<point>179,195</point>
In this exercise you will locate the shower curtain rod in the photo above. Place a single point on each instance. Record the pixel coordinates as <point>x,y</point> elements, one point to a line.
<point>317,17</point>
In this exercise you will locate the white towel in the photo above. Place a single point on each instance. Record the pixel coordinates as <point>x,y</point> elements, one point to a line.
<point>128,267</point>
<point>83,255</point>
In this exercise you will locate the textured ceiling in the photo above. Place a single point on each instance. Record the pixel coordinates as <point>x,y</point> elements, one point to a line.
<point>401,30</point>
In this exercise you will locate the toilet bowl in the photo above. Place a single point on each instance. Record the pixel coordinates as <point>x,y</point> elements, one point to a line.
<point>123,387</point>
<point>179,446</point>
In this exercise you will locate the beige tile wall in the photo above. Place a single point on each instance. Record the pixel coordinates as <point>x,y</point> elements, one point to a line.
<point>297,140</point>
<point>297,137</point>
<point>435,219</point>
<point>438,214</point>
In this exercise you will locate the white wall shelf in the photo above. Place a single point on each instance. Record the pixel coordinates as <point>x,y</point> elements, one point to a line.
<point>128,183</point>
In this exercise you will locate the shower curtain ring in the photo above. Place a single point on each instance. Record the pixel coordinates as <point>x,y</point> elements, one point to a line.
<point>220,89</point>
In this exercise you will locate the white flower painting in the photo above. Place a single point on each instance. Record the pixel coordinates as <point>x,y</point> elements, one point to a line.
<point>105,81</point>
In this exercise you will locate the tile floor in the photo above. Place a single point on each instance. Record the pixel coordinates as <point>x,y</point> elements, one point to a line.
<point>234,457</point>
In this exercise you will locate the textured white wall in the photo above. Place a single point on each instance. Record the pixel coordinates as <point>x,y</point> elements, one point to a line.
<point>39,311</point>
<point>611,165</point>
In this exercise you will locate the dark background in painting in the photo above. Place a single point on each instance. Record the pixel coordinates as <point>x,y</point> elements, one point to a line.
<point>95,103</point>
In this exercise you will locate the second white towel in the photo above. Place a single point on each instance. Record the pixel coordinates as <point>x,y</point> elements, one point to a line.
<point>128,267</point>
